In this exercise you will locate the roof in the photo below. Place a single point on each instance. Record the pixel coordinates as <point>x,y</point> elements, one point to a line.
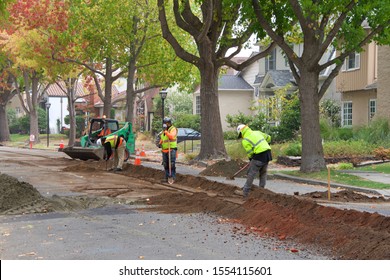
<point>281,77</point>
<point>258,79</point>
<point>55,90</point>
<point>374,85</point>
<point>233,82</point>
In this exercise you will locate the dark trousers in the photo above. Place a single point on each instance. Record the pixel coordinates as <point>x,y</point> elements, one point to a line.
<point>256,167</point>
<point>165,157</point>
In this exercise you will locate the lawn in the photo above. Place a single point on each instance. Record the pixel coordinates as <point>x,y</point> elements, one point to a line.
<point>336,176</point>
<point>22,140</point>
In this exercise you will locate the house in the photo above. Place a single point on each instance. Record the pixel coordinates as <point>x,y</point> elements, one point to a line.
<point>235,95</point>
<point>383,84</point>
<point>143,108</point>
<point>16,104</point>
<point>357,83</point>
<point>240,92</point>
<point>56,96</point>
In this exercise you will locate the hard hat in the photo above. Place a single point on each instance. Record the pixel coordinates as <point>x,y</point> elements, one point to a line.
<point>99,142</point>
<point>240,127</point>
<point>167,120</point>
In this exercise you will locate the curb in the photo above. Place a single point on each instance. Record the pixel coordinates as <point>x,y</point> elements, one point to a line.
<point>321,183</point>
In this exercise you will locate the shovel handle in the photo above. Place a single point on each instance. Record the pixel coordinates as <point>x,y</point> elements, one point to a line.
<point>245,166</point>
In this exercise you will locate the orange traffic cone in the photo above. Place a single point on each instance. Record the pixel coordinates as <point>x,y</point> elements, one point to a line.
<point>143,154</point>
<point>137,160</point>
<point>62,145</point>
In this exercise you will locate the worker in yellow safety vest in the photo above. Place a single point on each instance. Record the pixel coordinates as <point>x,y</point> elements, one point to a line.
<point>118,143</point>
<point>258,150</point>
<point>168,144</point>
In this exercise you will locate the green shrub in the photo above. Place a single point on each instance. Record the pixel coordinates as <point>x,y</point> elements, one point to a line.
<point>80,125</point>
<point>230,135</point>
<point>235,150</point>
<point>293,149</point>
<point>351,148</point>
<point>344,166</point>
<point>330,110</point>
<point>188,120</point>
<point>377,132</point>
<point>329,132</point>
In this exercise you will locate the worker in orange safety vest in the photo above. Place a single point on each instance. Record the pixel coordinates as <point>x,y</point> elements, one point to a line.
<point>168,144</point>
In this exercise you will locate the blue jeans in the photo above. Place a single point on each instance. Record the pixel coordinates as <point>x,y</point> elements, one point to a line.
<point>165,157</point>
<point>255,167</point>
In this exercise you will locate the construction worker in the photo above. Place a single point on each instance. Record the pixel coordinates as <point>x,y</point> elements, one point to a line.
<point>258,150</point>
<point>105,130</point>
<point>168,142</point>
<point>118,143</point>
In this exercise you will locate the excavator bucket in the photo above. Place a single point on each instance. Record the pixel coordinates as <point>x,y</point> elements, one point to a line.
<point>84,153</point>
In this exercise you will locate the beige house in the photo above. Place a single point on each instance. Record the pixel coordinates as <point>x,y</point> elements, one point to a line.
<point>357,83</point>
<point>16,104</point>
<point>383,90</point>
<point>240,91</point>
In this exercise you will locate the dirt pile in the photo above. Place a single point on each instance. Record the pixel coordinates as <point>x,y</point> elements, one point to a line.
<point>224,168</point>
<point>15,194</point>
<point>22,198</point>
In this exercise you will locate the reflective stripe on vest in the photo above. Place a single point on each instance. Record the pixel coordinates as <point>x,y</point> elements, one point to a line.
<point>253,145</point>
<point>113,140</point>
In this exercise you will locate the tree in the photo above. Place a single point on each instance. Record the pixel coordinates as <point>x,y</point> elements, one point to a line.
<point>346,25</point>
<point>28,46</point>
<point>136,49</point>
<point>7,92</point>
<point>216,26</point>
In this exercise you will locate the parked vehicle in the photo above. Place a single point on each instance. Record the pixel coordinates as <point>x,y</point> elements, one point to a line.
<point>184,134</point>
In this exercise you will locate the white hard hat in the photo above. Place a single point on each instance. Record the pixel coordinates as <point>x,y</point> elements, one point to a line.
<point>239,128</point>
<point>99,142</point>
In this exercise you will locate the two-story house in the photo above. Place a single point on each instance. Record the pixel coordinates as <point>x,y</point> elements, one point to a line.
<point>240,91</point>
<point>383,89</point>
<point>357,84</point>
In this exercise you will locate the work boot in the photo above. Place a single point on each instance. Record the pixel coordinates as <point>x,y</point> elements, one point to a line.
<point>241,193</point>
<point>117,169</point>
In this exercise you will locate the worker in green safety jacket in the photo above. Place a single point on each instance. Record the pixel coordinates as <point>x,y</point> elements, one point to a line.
<point>258,150</point>
<point>118,143</point>
<point>168,143</point>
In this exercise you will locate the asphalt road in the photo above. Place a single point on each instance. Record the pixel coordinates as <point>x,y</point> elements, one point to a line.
<point>120,232</point>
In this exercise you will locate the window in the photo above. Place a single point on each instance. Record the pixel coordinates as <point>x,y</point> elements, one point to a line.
<point>197,105</point>
<point>352,62</point>
<point>371,108</point>
<point>270,61</point>
<point>347,113</point>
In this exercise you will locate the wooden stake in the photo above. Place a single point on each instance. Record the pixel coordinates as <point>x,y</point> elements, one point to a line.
<point>328,183</point>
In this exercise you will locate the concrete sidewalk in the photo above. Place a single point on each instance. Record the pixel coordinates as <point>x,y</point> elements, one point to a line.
<point>279,183</point>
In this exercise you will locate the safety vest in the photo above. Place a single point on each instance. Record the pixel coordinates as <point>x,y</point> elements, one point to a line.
<point>167,143</point>
<point>114,141</point>
<point>255,142</point>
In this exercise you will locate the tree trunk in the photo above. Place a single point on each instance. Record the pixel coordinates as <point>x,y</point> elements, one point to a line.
<point>34,128</point>
<point>312,150</point>
<point>4,129</point>
<point>108,89</point>
<point>130,96</point>
<point>212,144</point>
<point>72,120</point>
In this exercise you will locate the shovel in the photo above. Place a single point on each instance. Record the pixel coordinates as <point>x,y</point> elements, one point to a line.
<point>238,172</point>
<point>170,179</point>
